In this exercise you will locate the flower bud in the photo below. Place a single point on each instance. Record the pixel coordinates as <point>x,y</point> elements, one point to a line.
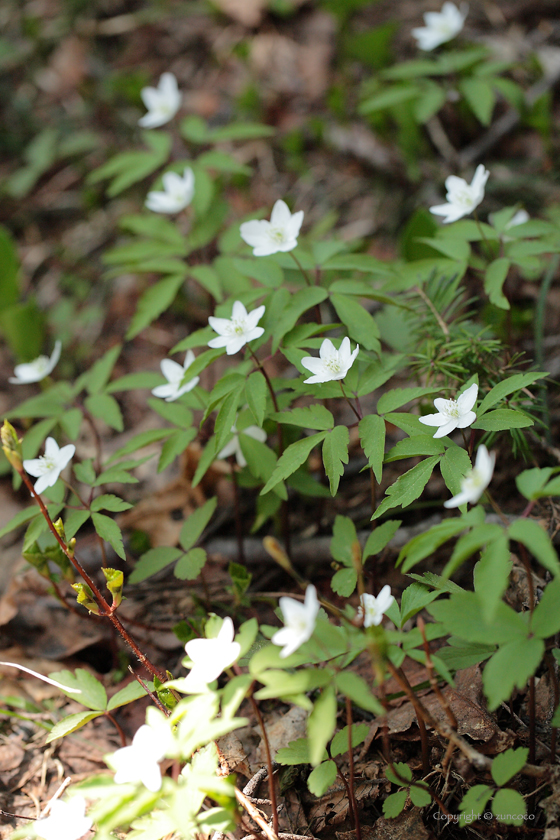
<point>11,445</point>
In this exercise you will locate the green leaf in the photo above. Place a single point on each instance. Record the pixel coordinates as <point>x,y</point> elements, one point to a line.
<point>355,262</point>
<point>372,437</point>
<point>335,455</point>
<point>414,598</point>
<point>154,561</point>
<point>387,99</point>
<point>93,694</point>
<point>105,407</point>
<point>426,543</point>
<point>474,802</point>
<point>408,487</point>
<point>293,457</point>
<point>344,582</point>
<point>109,502</point>
<point>394,804</point>
<point>298,304</point>
<point>502,419</point>
<point>356,688</point>
<point>510,667</point>
<point>74,521</point>
<point>345,541</point>
<point>508,386</point>
<point>297,752</point>
<point>256,392</point>
<point>531,482</point>
<point>128,168</point>
<point>132,691</point>
<point>480,96</point>
<point>431,100</point>
<point>509,807</point>
<point>311,417</point>
<point>70,724</point>
<point>21,518</point>
<point>420,796</point>
<point>546,617</point>
<point>397,397</point>
<point>225,419</point>
<point>359,323</point>
<point>339,743</point>
<point>462,616</point>
<point>175,412</point>
<point>470,543</point>
<point>454,465</point>
<point>174,446</point>
<point>155,300</point>
<point>321,724</point>
<point>494,280</point>
<point>9,269</point>
<point>322,778</point>
<point>263,269</point>
<point>536,540</point>
<point>491,575</point>
<point>189,566</point>
<point>98,376</point>
<point>455,249</point>
<point>141,440</point>
<point>380,537</point>
<point>208,279</point>
<point>415,446</point>
<point>109,530</point>
<point>507,764</point>
<point>196,523</point>
<point>134,381</point>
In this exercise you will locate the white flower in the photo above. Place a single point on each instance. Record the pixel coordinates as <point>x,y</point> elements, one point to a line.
<point>210,657</point>
<point>140,761</point>
<point>37,369</point>
<point>280,234</point>
<point>332,363</point>
<point>462,198</point>
<point>176,195</point>
<point>234,446</point>
<point>373,608</point>
<point>174,373</point>
<point>162,102</point>
<point>235,333</point>
<point>66,821</point>
<point>299,620</point>
<point>518,219</point>
<point>476,481</point>
<point>48,467</point>
<point>453,414</point>
<point>440,26</point>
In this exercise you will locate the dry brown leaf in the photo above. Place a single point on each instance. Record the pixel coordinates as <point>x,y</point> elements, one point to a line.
<point>247,12</point>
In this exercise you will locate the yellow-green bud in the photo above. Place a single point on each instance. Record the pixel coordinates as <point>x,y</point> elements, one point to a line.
<point>115,581</point>
<point>85,597</point>
<point>11,445</point>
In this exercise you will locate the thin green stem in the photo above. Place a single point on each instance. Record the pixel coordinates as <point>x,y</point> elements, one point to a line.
<point>489,253</point>
<point>301,268</point>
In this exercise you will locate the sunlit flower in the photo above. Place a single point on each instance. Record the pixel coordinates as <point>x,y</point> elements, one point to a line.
<point>299,621</point>
<point>177,193</point>
<point>234,446</point>
<point>174,374</point>
<point>162,102</point>
<point>462,198</point>
<point>66,821</point>
<point>210,657</point>
<point>280,234</point>
<point>373,608</point>
<point>36,370</point>
<point>440,26</point>
<point>235,333</point>
<point>476,481</point>
<point>48,467</point>
<point>332,363</point>
<point>453,414</point>
<point>140,761</point>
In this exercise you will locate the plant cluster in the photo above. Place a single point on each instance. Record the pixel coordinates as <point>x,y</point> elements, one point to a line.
<point>297,314</point>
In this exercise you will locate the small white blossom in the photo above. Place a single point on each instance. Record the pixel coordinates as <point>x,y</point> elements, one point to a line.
<point>453,414</point>
<point>280,234</point>
<point>174,374</point>
<point>177,193</point>
<point>140,761</point>
<point>299,621</point>
<point>48,467</point>
<point>372,609</point>
<point>440,26</point>
<point>332,364</point>
<point>476,481</point>
<point>66,821</point>
<point>162,102</point>
<point>235,333</point>
<point>36,370</point>
<point>518,219</point>
<point>462,198</point>
<point>234,446</point>
<point>210,657</point>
